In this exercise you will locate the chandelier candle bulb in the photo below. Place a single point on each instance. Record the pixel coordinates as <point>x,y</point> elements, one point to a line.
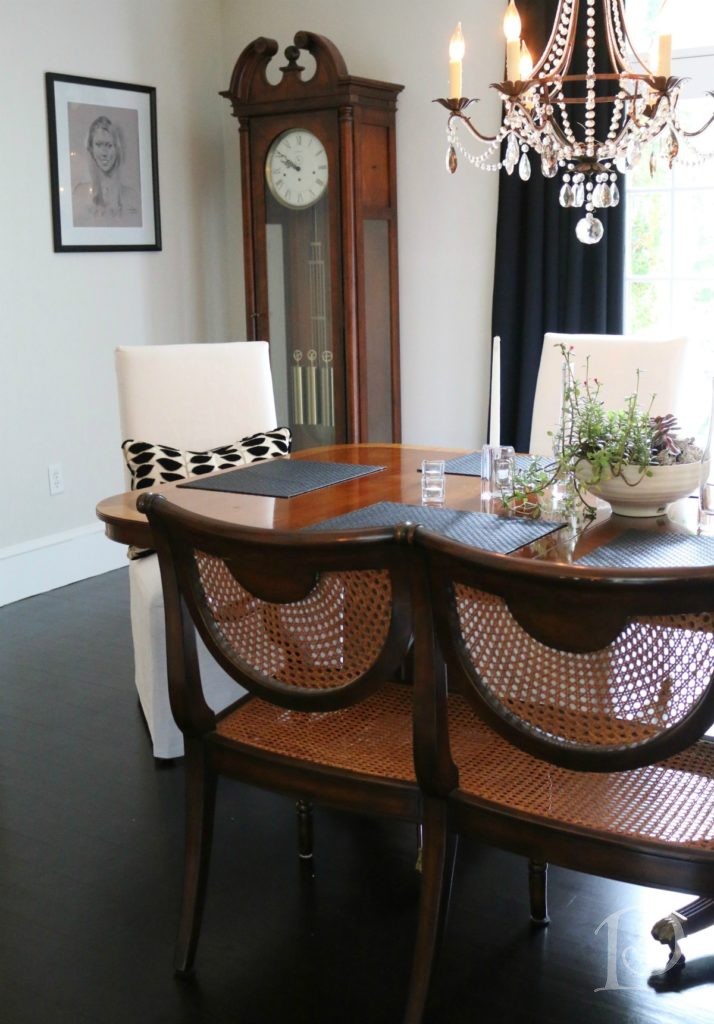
<point>457,48</point>
<point>525,63</point>
<point>664,39</point>
<point>513,60</point>
<point>512,31</point>
<point>664,55</point>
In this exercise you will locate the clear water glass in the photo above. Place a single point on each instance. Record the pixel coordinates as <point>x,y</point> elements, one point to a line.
<point>706,498</point>
<point>706,485</point>
<point>498,464</point>
<point>503,466</point>
<point>433,482</point>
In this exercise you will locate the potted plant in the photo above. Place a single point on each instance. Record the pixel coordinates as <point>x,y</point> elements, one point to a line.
<point>630,457</point>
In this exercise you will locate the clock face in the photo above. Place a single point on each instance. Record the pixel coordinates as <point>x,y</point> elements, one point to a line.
<point>296,168</point>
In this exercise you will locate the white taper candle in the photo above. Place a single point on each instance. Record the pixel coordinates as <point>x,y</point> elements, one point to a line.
<point>494,427</point>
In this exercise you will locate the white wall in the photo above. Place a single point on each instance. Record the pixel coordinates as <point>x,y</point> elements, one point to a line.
<point>446,223</point>
<point>62,315</point>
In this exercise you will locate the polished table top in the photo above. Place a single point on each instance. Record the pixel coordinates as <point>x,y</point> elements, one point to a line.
<point>400,482</point>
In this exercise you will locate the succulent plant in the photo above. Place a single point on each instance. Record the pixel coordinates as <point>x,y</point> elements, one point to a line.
<point>607,440</point>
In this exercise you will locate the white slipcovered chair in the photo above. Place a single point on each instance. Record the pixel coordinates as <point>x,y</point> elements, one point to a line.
<point>614,360</point>
<point>192,397</point>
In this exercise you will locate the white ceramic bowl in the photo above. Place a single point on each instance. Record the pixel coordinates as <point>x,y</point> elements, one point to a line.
<point>642,495</point>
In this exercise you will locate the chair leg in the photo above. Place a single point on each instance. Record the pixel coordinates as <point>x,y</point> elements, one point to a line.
<point>680,923</point>
<point>419,846</point>
<point>439,855</point>
<point>200,807</point>
<point>538,890</point>
<point>304,822</point>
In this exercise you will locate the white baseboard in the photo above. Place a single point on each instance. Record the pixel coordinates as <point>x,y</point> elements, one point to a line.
<point>50,562</point>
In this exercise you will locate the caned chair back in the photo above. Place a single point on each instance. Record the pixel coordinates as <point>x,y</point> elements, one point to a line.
<point>590,669</point>
<point>307,620</point>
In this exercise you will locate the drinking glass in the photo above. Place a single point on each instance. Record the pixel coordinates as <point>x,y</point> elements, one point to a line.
<point>706,485</point>
<point>497,467</point>
<point>706,497</point>
<point>433,484</point>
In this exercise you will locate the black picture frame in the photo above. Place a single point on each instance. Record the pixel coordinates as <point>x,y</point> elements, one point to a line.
<point>104,173</point>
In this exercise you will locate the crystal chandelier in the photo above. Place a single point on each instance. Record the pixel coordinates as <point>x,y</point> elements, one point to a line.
<point>551,110</point>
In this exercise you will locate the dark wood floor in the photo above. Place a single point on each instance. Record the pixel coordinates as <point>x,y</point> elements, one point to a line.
<point>90,865</point>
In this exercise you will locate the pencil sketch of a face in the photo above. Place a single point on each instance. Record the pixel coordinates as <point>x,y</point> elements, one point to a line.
<point>104,153</point>
<point>103,144</point>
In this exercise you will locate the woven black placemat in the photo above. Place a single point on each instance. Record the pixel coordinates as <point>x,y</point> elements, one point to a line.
<point>470,465</point>
<point>642,549</point>
<point>282,478</point>
<point>478,529</point>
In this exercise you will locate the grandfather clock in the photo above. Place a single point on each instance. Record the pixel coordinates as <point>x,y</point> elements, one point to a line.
<point>318,168</point>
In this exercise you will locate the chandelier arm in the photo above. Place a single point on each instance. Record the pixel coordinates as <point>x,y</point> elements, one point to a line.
<point>699,131</point>
<point>626,33</point>
<point>554,127</point>
<point>630,119</point>
<point>560,135</point>
<point>569,48</point>
<point>617,58</point>
<point>616,142</point>
<point>599,76</point>
<point>654,109</point>
<point>554,32</point>
<point>458,115</point>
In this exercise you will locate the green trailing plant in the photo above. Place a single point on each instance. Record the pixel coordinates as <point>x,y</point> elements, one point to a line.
<point>593,443</point>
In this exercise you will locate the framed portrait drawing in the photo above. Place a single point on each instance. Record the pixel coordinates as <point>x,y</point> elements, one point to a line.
<point>103,165</point>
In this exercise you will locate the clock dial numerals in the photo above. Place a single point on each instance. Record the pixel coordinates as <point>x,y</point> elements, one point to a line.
<point>296,169</point>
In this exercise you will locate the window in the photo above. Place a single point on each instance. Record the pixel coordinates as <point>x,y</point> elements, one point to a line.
<point>670,213</point>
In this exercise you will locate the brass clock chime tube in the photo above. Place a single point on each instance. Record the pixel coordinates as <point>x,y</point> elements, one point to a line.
<point>318,315</point>
<point>311,387</point>
<point>297,375</point>
<point>327,390</point>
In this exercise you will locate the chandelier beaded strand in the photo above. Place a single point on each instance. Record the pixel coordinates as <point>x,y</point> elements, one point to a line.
<point>536,115</point>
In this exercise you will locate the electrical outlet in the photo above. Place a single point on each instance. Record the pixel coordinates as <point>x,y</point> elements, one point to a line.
<point>54,472</point>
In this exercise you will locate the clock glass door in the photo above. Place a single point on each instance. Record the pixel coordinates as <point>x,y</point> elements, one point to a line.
<point>308,370</point>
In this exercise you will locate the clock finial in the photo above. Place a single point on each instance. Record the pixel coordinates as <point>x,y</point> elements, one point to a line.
<point>292,53</point>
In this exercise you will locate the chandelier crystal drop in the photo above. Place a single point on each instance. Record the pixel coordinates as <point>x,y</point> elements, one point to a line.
<point>551,110</point>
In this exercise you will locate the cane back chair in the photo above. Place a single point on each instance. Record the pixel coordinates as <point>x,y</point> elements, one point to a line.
<point>315,623</point>
<point>572,731</point>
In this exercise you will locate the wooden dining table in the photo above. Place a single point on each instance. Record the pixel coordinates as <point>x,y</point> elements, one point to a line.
<point>400,482</point>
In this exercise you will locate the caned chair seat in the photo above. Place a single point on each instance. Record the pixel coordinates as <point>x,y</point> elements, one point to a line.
<point>351,740</point>
<point>664,804</point>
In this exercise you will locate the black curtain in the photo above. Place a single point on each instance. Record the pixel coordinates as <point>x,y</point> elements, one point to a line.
<point>545,279</point>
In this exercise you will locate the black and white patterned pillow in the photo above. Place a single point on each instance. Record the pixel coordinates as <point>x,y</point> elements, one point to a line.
<point>151,464</point>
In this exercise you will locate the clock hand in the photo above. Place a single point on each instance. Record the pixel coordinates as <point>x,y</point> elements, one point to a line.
<point>288,162</point>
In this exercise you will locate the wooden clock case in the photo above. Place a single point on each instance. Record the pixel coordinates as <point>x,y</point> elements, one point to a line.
<point>354,118</point>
